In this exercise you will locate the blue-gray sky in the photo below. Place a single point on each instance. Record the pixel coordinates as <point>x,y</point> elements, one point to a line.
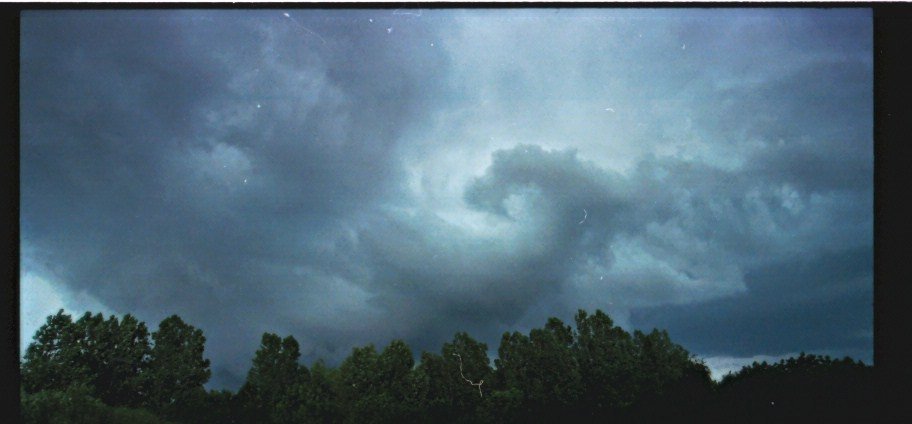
<point>349,177</point>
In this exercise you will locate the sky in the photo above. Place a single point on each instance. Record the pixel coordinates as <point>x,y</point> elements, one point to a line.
<point>354,176</point>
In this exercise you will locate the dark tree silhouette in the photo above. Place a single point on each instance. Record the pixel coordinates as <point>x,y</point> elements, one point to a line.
<point>117,354</point>
<point>550,380</point>
<point>106,356</point>
<point>321,399</point>
<point>53,361</point>
<point>378,387</point>
<point>606,355</point>
<point>806,387</point>
<point>95,370</point>
<point>177,368</point>
<point>275,388</point>
<point>445,393</point>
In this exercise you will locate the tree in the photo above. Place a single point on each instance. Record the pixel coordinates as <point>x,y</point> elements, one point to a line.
<point>220,406</point>
<point>98,370</point>
<point>554,347</point>
<point>397,382</point>
<point>129,361</point>
<point>502,406</point>
<point>452,385</point>
<point>358,384</point>
<point>606,355</point>
<point>321,403</point>
<point>670,384</point>
<point>53,361</point>
<point>76,405</point>
<point>177,369</point>
<point>376,387</point>
<point>660,361</point>
<point>106,356</point>
<point>275,383</point>
<point>116,354</point>
<point>808,386</point>
<point>435,389</point>
<point>542,367</point>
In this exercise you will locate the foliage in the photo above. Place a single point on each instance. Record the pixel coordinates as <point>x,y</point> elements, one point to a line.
<point>177,369</point>
<point>115,354</point>
<point>97,370</point>
<point>321,403</point>
<point>54,360</point>
<point>75,405</point>
<point>444,393</point>
<point>543,369</point>
<point>274,392</point>
<point>377,388</point>
<point>795,388</point>
<point>106,356</point>
<point>220,406</point>
<point>606,355</point>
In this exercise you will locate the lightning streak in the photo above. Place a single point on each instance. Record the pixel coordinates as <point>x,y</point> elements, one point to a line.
<point>478,384</point>
<point>304,27</point>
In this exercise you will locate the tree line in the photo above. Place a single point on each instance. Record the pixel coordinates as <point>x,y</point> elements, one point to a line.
<point>97,370</point>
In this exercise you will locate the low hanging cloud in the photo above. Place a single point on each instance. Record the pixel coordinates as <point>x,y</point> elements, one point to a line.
<point>353,176</point>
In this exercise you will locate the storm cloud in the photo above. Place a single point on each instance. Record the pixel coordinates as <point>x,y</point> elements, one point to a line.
<point>349,176</point>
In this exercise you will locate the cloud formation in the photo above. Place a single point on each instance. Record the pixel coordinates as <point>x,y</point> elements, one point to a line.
<point>353,176</point>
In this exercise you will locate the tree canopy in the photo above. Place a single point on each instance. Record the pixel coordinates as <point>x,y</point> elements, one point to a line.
<point>113,370</point>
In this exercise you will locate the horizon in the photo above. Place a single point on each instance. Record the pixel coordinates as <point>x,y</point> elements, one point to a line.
<point>357,176</point>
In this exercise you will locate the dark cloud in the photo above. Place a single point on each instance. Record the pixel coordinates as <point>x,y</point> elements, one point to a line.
<point>183,162</point>
<point>353,176</point>
<point>822,303</point>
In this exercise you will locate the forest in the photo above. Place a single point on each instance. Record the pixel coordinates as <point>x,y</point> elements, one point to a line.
<point>97,370</point>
